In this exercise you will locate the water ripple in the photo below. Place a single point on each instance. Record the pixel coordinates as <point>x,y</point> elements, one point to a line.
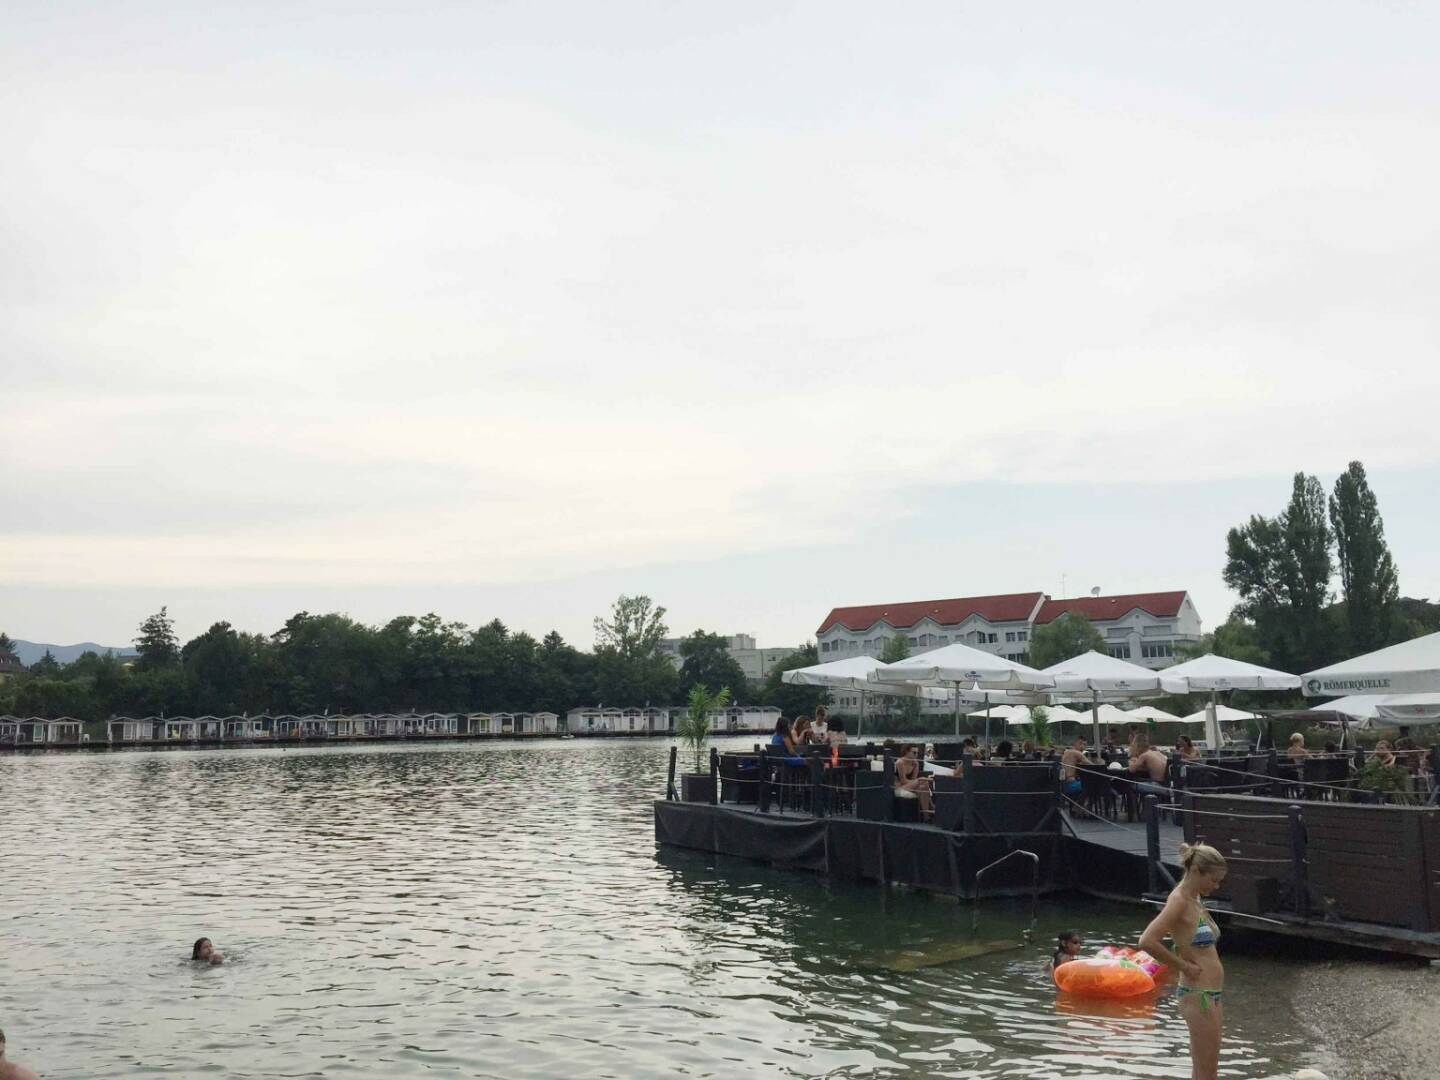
<point>501,910</point>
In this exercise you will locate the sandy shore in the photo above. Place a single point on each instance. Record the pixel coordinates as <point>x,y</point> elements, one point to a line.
<point>1372,1018</point>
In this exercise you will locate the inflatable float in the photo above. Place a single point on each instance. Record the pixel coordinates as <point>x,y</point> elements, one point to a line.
<point>1111,973</point>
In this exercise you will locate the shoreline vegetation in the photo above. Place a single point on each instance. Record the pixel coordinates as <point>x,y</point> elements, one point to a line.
<point>332,663</point>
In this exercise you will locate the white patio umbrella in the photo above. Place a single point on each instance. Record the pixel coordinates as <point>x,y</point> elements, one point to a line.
<point>1106,676</point>
<point>1358,707</point>
<point>1223,714</point>
<point>1216,673</point>
<point>1411,667</point>
<point>1409,709</point>
<point>1010,714</point>
<point>1150,712</point>
<point>960,667</point>
<point>853,674</point>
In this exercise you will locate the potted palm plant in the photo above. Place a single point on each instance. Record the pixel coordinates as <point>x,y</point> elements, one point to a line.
<point>693,728</point>
<point>1040,730</point>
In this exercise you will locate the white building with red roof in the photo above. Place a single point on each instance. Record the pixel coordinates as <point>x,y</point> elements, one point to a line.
<point>1145,628</point>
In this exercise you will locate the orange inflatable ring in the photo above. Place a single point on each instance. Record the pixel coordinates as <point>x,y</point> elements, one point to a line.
<point>1114,976</point>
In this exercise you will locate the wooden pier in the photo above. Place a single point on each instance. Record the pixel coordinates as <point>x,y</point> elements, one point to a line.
<point>1343,873</point>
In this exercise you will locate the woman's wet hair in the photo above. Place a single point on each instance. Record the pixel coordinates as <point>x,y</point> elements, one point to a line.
<point>195,952</point>
<point>1200,859</point>
<point>1066,936</point>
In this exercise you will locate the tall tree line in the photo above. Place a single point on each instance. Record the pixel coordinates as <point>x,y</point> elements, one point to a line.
<point>1284,568</point>
<point>332,663</point>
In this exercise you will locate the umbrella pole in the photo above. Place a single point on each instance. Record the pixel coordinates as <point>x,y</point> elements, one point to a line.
<point>957,710</point>
<point>987,725</point>
<point>860,723</point>
<point>1095,717</point>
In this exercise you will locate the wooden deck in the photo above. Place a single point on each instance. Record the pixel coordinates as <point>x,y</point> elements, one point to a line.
<point>1095,856</point>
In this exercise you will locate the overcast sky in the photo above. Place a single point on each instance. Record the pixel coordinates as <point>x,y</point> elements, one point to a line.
<point>504,309</point>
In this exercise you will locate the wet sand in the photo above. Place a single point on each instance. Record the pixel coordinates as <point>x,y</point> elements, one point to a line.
<point>1372,1018</point>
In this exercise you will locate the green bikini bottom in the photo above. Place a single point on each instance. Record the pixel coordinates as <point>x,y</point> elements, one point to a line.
<point>1207,997</point>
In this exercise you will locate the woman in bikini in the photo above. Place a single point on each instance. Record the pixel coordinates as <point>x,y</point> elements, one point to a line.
<point>1202,978</point>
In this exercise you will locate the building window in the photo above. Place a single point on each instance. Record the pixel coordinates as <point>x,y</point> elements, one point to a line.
<point>1009,635</point>
<point>1120,652</point>
<point>1022,635</point>
<point>1155,650</point>
<point>944,639</point>
<point>1015,658</point>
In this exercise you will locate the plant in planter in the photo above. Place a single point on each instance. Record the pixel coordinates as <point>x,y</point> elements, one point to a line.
<point>1040,730</point>
<point>693,728</point>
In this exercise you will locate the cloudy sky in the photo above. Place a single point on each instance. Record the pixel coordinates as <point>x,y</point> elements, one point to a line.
<point>501,309</point>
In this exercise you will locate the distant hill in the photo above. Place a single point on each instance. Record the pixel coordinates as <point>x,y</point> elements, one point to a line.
<point>29,651</point>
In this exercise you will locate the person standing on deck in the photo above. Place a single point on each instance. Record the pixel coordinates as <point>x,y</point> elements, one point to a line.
<point>1190,926</point>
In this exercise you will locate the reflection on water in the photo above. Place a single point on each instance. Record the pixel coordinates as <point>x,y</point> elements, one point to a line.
<point>502,910</point>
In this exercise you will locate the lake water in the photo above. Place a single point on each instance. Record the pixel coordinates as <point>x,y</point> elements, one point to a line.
<point>501,910</point>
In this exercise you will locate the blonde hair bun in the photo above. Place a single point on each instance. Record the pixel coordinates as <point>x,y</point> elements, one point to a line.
<point>1200,858</point>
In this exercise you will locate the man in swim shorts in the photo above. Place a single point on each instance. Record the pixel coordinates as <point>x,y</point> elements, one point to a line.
<point>1074,755</point>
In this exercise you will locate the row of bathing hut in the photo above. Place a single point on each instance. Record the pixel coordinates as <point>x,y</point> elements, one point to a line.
<point>149,730</point>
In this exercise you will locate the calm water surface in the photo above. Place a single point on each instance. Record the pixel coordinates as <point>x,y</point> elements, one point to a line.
<point>502,910</point>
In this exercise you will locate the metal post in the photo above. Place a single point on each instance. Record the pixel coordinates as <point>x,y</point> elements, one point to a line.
<point>1152,841</point>
<point>714,776</point>
<point>1299,874</point>
<point>817,786</point>
<point>670,794</point>
<point>967,786</point>
<point>764,794</point>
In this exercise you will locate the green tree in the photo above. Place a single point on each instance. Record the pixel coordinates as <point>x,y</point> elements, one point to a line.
<point>902,712</point>
<point>705,660</point>
<point>895,650</point>
<point>46,665</point>
<point>327,663</point>
<point>630,666</point>
<point>793,701</point>
<point>1069,635</point>
<point>1281,567</point>
<point>1368,577</point>
<point>7,647</point>
<point>229,672</point>
<point>1040,729</point>
<point>156,641</point>
<point>693,725</point>
<point>565,677</point>
<point>1235,638</point>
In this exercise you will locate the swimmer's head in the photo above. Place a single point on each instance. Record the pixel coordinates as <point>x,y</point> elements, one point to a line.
<point>202,949</point>
<point>1069,941</point>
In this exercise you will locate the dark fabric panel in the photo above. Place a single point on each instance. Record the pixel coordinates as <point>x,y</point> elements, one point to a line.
<point>795,843</point>
<point>919,857</point>
<point>855,850</point>
<point>685,825</point>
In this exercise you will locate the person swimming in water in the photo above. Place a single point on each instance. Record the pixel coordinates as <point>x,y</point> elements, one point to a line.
<point>1067,947</point>
<point>204,952</point>
<point>13,1070</point>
